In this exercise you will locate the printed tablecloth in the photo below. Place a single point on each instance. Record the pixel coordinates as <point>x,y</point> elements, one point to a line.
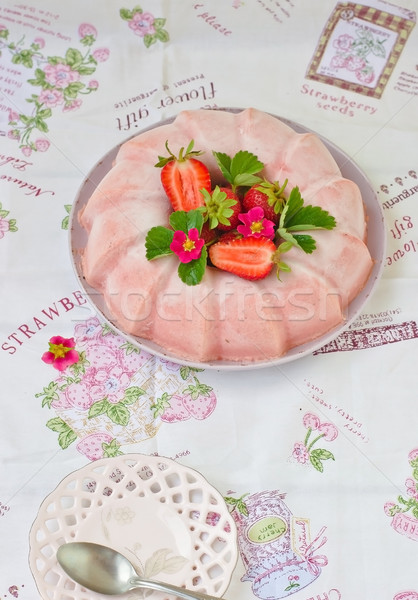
<point>327,445</point>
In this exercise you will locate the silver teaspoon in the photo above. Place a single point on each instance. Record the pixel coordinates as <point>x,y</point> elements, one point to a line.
<point>103,570</point>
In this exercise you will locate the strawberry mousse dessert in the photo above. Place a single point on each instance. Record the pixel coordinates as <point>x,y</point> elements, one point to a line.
<point>226,237</point>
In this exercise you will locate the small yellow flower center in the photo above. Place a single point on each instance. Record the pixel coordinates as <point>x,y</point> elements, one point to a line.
<point>188,245</point>
<point>256,226</point>
<point>58,350</point>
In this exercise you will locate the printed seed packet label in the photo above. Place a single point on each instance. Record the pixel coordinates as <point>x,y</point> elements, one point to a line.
<point>360,46</point>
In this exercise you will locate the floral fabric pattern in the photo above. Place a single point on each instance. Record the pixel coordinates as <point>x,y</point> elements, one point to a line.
<point>61,79</point>
<point>145,25</point>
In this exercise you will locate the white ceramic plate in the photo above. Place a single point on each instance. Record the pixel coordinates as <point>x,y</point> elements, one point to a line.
<point>376,243</point>
<point>165,518</point>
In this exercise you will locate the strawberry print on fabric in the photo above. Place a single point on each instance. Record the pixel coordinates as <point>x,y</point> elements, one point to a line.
<point>404,512</point>
<point>59,82</point>
<point>6,225</point>
<point>145,25</point>
<point>117,394</point>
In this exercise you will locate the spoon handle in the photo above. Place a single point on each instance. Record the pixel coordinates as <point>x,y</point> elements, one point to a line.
<point>171,589</point>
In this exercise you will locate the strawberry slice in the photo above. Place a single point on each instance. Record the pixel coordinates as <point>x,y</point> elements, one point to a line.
<point>183,177</point>
<point>250,258</point>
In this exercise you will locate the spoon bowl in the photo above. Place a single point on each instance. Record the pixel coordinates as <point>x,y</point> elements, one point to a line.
<point>106,571</point>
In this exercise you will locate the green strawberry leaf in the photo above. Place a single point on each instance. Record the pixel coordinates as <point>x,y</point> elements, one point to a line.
<point>118,413</point>
<point>316,462</point>
<point>192,272</point>
<point>98,408</point>
<point>305,242</point>
<point>157,242</point>
<point>132,394</point>
<point>184,221</point>
<point>322,454</point>
<point>65,438</point>
<point>239,170</point>
<point>310,217</point>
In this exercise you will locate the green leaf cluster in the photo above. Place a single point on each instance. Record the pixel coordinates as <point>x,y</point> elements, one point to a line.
<point>159,238</point>
<point>241,169</point>
<point>117,412</point>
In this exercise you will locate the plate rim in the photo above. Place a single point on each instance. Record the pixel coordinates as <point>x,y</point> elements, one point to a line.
<point>349,170</point>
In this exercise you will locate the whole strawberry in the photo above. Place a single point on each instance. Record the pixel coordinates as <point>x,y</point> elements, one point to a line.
<point>199,399</point>
<point>268,196</point>
<point>170,408</point>
<point>222,208</point>
<point>183,177</point>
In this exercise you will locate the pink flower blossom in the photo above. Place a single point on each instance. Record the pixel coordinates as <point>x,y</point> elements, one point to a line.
<point>187,247</point>
<point>51,98</point>
<point>329,431</point>
<point>300,453</point>
<point>39,42</point>
<point>87,29</point>
<point>61,353</point>
<point>89,331</point>
<point>73,105</point>
<point>4,227</point>
<point>109,383</point>
<point>101,54</point>
<point>142,24</point>
<point>255,225</point>
<point>42,145</point>
<point>343,42</point>
<point>60,75</point>
<point>93,84</point>
<point>311,421</point>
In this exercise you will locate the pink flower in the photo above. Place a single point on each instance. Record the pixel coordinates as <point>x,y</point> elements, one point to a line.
<point>93,84</point>
<point>89,331</point>
<point>42,145</point>
<point>72,105</point>
<point>4,227</point>
<point>255,224</point>
<point>187,247</point>
<point>311,421</point>
<point>329,431</point>
<point>39,42</point>
<point>101,54</point>
<point>343,42</point>
<point>109,383</point>
<point>142,24</point>
<point>60,75</point>
<point>51,98</point>
<point>61,353</point>
<point>300,453</point>
<point>87,29</point>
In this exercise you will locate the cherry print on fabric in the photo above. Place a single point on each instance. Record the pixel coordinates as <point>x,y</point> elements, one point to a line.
<point>117,394</point>
<point>304,452</point>
<point>145,25</point>
<point>59,83</point>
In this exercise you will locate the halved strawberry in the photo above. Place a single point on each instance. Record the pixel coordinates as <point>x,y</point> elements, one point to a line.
<point>250,258</point>
<point>183,177</point>
<point>268,196</point>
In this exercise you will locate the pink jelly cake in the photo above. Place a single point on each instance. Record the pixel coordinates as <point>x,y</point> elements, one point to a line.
<point>224,317</point>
